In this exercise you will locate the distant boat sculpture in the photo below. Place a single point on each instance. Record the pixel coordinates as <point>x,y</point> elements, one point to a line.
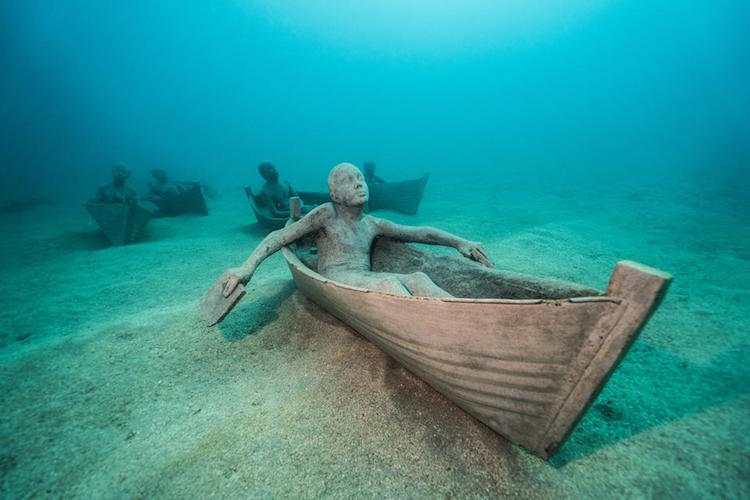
<point>524,355</point>
<point>122,223</point>
<point>263,214</point>
<point>190,200</point>
<point>402,196</point>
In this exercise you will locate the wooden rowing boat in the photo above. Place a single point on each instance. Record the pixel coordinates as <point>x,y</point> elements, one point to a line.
<point>524,355</point>
<point>403,196</point>
<point>263,214</point>
<point>189,201</point>
<point>122,223</point>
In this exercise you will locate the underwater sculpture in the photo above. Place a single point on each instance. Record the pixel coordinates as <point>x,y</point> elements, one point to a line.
<point>117,191</point>
<point>345,235</point>
<point>175,198</point>
<point>402,196</point>
<point>524,355</point>
<point>162,188</point>
<point>116,210</point>
<point>370,177</point>
<point>275,194</point>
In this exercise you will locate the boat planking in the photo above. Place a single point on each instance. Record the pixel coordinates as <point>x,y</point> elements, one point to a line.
<point>122,223</point>
<point>524,355</point>
<point>190,201</point>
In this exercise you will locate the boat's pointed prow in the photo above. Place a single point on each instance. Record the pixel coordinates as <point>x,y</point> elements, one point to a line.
<point>632,280</point>
<point>527,364</point>
<point>638,289</point>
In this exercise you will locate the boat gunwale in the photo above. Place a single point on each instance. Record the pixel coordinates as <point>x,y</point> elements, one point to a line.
<point>292,259</point>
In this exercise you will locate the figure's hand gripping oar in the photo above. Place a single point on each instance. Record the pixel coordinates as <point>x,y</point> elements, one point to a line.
<point>216,304</point>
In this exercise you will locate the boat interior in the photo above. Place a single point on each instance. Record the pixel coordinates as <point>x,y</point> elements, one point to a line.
<point>459,276</point>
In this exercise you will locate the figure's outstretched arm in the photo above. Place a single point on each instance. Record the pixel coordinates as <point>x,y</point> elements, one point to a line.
<point>433,236</point>
<point>272,243</point>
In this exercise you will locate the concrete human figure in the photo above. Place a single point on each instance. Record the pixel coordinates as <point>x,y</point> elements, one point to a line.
<point>370,176</point>
<point>118,191</point>
<point>161,187</point>
<point>344,236</point>
<point>276,193</point>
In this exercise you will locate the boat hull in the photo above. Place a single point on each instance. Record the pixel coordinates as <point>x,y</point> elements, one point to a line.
<point>402,196</point>
<point>189,201</point>
<point>121,223</point>
<point>264,217</point>
<point>527,368</point>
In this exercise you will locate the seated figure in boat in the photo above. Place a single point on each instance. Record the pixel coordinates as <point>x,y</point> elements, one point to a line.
<point>118,191</point>
<point>344,235</point>
<point>276,193</point>
<point>370,176</point>
<point>162,188</point>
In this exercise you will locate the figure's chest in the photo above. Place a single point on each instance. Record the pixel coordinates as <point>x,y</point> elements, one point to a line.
<point>280,193</point>
<point>356,237</point>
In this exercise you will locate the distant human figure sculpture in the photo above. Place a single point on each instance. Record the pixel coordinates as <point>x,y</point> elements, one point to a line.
<point>276,193</point>
<point>162,188</point>
<point>344,237</point>
<point>370,176</point>
<point>118,191</point>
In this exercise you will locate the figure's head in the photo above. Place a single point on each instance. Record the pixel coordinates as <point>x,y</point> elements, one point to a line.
<point>268,171</point>
<point>159,174</point>
<point>347,185</point>
<point>369,168</point>
<point>120,173</point>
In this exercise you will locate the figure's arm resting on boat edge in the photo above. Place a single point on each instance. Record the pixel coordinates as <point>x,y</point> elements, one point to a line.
<point>432,236</point>
<point>272,243</point>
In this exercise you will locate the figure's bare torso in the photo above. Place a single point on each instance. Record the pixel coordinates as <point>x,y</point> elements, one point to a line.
<point>344,245</point>
<point>278,193</point>
<point>112,193</point>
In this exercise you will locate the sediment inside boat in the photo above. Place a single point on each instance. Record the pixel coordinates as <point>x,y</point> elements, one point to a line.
<point>461,277</point>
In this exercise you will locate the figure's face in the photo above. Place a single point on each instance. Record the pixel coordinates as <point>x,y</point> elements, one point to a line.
<point>120,174</point>
<point>268,172</point>
<point>347,185</point>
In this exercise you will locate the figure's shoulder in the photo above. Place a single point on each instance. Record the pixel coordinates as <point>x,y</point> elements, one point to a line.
<point>320,215</point>
<point>374,221</point>
<point>324,209</point>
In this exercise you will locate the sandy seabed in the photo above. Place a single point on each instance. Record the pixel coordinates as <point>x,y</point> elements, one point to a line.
<point>112,387</point>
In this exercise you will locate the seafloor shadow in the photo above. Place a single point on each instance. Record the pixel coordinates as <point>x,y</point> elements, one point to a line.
<point>255,314</point>
<point>254,229</point>
<point>94,239</point>
<point>82,240</point>
<point>663,388</point>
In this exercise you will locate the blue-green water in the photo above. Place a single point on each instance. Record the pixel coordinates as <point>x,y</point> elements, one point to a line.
<point>565,137</point>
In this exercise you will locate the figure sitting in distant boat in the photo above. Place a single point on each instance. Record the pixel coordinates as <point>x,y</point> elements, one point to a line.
<point>162,188</point>
<point>118,191</point>
<point>344,235</point>
<point>370,176</point>
<point>175,198</point>
<point>276,193</point>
